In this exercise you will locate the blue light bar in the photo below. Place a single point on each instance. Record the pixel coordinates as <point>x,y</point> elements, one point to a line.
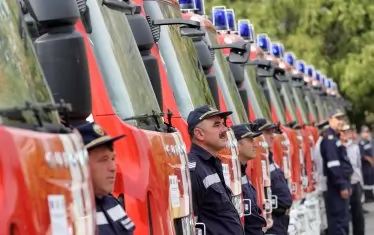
<point>231,19</point>
<point>187,4</point>
<point>219,18</point>
<point>277,50</point>
<point>200,7</point>
<point>317,76</point>
<point>328,83</point>
<point>310,71</point>
<point>290,58</point>
<point>246,30</point>
<point>263,41</point>
<point>300,65</point>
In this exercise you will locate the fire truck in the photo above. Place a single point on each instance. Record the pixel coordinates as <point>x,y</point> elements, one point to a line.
<point>45,184</point>
<point>153,178</point>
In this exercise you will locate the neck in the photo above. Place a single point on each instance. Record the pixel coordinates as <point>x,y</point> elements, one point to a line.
<point>207,148</point>
<point>243,160</point>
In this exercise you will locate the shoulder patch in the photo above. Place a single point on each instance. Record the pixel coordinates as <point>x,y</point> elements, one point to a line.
<point>192,166</point>
<point>330,137</point>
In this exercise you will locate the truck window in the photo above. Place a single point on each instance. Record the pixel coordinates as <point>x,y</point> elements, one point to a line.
<point>121,66</point>
<point>186,78</point>
<point>311,103</point>
<point>257,98</point>
<point>276,100</point>
<point>21,79</point>
<point>289,100</point>
<point>301,104</point>
<point>226,82</point>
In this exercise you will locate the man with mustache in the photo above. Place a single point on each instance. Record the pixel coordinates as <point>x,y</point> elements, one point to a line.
<point>253,221</point>
<point>279,186</point>
<point>111,217</point>
<point>338,171</point>
<point>211,196</point>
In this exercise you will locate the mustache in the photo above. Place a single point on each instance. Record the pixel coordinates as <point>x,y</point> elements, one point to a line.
<point>222,135</point>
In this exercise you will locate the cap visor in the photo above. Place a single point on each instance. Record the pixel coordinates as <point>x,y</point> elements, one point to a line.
<point>338,115</point>
<point>257,134</point>
<point>104,142</point>
<point>220,114</point>
<point>268,126</point>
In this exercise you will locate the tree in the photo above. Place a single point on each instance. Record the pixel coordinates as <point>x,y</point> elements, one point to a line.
<point>335,36</point>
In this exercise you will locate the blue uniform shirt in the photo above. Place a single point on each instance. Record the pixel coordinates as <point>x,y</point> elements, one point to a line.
<point>211,197</point>
<point>337,167</point>
<point>253,221</point>
<point>111,218</point>
<point>279,187</point>
<point>366,148</point>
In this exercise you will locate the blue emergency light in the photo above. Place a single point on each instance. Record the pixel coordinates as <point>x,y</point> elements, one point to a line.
<point>290,58</point>
<point>317,76</point>
<point>300,66</point>
<point>277,50</point>
<point>328,83</point>
<point>219,18</point>
<point>323,78</point>
<point>263,41</point>
<point>230,14</point>
<point>187,4</point>
<point>310,71</point>
<point>246,30</point>
<point>200,6</point>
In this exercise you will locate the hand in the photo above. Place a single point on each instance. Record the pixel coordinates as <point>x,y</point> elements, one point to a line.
<point>344,193</point>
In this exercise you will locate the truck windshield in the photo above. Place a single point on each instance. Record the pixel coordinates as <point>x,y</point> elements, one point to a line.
<point>300,103</point>
<point>21,79</point>
<point>276,100</point>
<point>311,103</point>
<point>256,97</point>
<point>179,55</point>
<point>320,109</point>
<point>125,77</point>
<point>226,82</point>
<point>289,99</point>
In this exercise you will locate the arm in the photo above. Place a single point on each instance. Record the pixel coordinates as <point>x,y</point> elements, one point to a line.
<point>195,193</point>
<point>331,158</point>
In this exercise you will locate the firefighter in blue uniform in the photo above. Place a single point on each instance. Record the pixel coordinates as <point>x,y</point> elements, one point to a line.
<point>212,198</point>
<point>279,186</point>
<point>253,221</point>
<point>338,171</point>
<point>367,163</point>
<point>111,217</point>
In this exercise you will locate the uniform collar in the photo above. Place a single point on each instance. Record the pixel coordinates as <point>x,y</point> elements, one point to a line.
<point>243,168</point>
<point>200,151</point>
<point>331,131</point>
<point>271,160</point>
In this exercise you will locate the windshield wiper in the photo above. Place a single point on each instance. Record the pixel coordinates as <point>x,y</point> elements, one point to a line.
<point>146,118</point>
<point>37,109</point>
<point>155,117</point>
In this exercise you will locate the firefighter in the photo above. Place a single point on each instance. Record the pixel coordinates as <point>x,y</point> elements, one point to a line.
<point>279,186</point>
<point>321,180</point>
<point>338,170</point>
<point>353,153</point>
<point>253,221</point>
<point>367,163</point>
<point>212,202</point>
<point>111,217</point>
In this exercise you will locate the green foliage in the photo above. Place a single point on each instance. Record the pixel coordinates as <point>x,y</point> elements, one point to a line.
<point>335,36</point>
